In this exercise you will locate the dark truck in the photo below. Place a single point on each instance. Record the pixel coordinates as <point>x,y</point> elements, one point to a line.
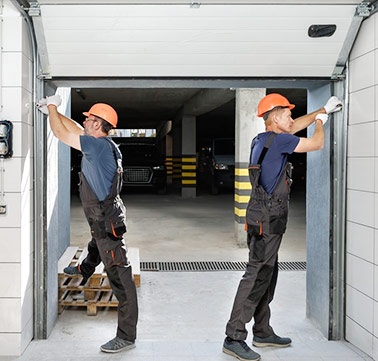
<point>217,164</point>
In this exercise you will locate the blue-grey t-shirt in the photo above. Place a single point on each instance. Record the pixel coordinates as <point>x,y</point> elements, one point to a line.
<point>275,158</point>
<point>98,164</point>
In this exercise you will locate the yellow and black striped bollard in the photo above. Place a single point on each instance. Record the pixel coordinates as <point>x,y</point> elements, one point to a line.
<point>242,191</point>
<point>169,165</point>
<point>189,171</point>
<point>176,168</point>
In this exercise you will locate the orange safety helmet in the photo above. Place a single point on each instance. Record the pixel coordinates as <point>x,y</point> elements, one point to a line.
<point>272,101</point>
<point>104,111</point>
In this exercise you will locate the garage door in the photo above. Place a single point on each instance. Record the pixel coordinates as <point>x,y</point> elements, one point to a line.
<point>184,39</point>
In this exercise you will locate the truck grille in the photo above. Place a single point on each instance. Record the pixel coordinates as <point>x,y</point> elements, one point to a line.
<point>137,175</point>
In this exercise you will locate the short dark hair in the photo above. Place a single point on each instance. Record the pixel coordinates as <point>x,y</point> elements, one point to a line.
<point>266,115</point>
<point>105,126</point>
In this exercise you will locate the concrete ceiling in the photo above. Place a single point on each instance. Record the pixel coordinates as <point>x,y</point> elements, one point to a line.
<point>147,108</point>
<point>143,108</point>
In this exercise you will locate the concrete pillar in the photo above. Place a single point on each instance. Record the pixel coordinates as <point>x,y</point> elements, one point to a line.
<point>318,210</point>
<point>189,174</point>
<point>176,153</point>
<point>247,126</point>
<point>169,157</point>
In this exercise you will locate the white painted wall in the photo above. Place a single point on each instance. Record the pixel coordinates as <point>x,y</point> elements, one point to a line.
<point>16,227</point>
<point>362,193</point>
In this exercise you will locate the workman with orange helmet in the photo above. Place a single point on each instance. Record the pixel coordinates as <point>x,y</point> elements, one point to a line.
<point>100,187</point>
<point>266,218</point>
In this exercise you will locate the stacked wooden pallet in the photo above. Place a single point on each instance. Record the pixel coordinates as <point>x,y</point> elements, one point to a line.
<point>95,292</point>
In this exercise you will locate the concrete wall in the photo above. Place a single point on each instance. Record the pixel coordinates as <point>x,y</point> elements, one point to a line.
<point>16,227</point>
<point>362,193</point>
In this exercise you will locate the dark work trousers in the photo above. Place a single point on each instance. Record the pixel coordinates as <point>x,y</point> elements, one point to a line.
<point>256,289</point>
<point>113,254</point>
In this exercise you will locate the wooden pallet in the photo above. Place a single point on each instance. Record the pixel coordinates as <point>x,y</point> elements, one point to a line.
<point>95,292</point>
<point>77,299</point>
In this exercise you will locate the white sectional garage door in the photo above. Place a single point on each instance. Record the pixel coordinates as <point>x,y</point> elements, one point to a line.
<point>248,39</point>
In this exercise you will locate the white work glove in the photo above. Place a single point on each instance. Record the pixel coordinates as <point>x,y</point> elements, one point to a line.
<point>334,104</point>
<point>322,117</point>
<point>54,100</point>
<point>42,106</point>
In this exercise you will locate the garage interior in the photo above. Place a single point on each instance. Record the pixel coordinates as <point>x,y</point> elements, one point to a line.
<point>153,58</point>
<point>170,228</point>
<point>198,229</point>
<point>177,211</point>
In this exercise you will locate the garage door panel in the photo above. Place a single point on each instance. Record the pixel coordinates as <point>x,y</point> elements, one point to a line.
<point>200,71</point>
<point>190,23</point>
<point>177,40</point>
<point>207,2</point>
<point>78,48</point>
<point>216,36</point>
<point>256,10</point>
<point>187,59</point>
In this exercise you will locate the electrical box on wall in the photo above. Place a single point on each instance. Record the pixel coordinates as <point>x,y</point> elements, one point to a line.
<point>6,136</point>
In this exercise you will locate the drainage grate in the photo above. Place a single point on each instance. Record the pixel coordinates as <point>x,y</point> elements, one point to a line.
<point>205,266</point>
<point>292,266</point>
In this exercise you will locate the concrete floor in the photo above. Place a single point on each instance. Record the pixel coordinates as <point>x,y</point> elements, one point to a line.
<point>183,315</point>
<point>168,228</point>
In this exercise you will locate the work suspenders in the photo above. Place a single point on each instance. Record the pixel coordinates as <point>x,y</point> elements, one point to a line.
<point>266,147</point>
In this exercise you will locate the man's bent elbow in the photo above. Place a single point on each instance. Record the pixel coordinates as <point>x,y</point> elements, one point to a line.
<point>56,133</point>
<point>320,146</point>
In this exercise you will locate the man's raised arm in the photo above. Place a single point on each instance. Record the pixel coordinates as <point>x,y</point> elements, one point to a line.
<point>334,104</point>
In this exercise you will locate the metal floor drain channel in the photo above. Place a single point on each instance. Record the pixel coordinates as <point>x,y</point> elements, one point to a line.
<point>204,266</point>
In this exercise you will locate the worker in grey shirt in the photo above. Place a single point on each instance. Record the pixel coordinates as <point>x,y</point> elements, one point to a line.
<point>100,186</point>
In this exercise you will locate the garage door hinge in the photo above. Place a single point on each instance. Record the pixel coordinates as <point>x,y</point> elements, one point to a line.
<point>43,76</point>
<point>195,4</point>
<point>363,10</point>
<point>338,73</point>
<point>35,9</point>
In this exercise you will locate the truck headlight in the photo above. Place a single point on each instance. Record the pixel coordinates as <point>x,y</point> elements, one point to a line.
<point>221,166</point>
<point>158,167</point>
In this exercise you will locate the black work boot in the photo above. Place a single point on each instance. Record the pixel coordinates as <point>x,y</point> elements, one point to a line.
<point>273,340</point>
<point>240,350</point>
